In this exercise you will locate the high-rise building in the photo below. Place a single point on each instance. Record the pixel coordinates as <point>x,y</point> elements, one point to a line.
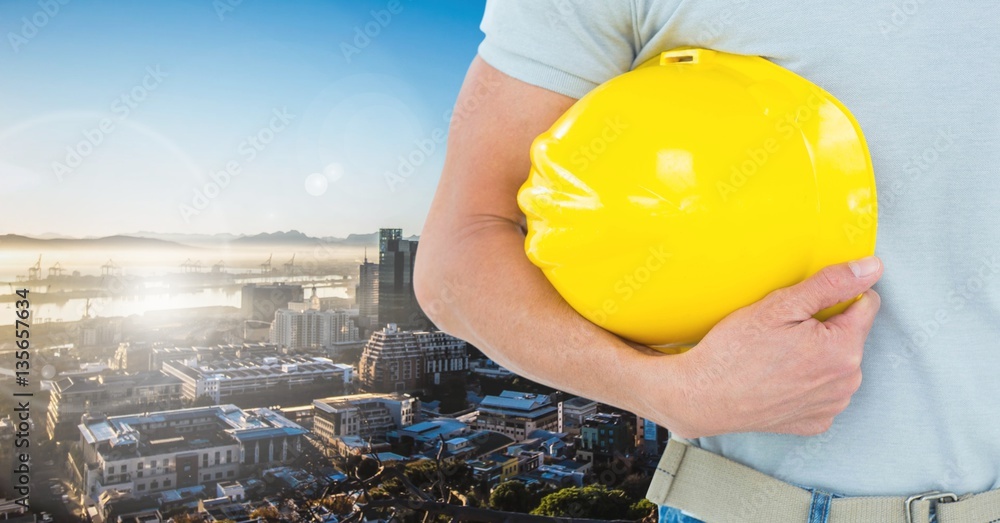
<point>258,302</point>
<point>397,302</point>
<point>395,360</point>
<point>312,328</point>
<point>366,293</point>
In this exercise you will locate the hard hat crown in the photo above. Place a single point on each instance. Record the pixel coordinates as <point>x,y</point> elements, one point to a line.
<point>678,192</point>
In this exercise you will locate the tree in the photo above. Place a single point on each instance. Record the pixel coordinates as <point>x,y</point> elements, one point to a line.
<point>636,485</point>
<point>642,509</point>
<point>339,504</point>
<point>510,496</point>
<point>537,491</point>
<point>268,513</point>
<point>594,501</point>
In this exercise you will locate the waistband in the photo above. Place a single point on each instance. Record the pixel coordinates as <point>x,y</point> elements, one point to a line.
<point>718,490</point>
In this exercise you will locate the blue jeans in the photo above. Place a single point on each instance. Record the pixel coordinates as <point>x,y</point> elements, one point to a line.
<point>819,512</point>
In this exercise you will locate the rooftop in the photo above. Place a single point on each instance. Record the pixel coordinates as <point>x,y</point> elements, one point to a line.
<point>83,384</point>
<point>516,403</point>
<point>133,435</point>
<point>579,402</point>
<point>602,419</point>
<point>258,367</point>
<point>431,429</point>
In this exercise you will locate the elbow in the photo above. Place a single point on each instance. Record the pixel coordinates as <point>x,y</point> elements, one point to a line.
<point>432,288</point>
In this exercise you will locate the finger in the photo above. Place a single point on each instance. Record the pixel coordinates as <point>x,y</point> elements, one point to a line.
<point>831,285</point>
<point>858,319</point>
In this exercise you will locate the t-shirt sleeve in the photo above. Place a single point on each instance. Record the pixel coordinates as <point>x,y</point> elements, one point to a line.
<point>566,46</point>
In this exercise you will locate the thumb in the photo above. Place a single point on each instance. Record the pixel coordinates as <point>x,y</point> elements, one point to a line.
<point>831,285</point>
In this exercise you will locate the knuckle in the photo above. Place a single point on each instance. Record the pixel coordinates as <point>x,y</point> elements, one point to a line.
<point>855,382</point>
<point>852,360</point>
<point>829,278</point>
<point>778,306</point>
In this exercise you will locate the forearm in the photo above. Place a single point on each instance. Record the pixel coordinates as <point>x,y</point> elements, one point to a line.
<point>474,280</point>
<point>486,291</point>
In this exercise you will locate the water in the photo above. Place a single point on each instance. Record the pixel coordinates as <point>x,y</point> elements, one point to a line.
<point>154,273</point>
<point>73,309</point>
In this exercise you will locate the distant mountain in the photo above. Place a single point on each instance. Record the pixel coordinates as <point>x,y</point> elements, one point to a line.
<point>173,240</point>
<point>187,238</point>
<point>52,236</point>
<point>296,237</point>
<point>14,241</point>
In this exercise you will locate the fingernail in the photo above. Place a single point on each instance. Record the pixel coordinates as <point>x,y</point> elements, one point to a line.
<point>865,266</point>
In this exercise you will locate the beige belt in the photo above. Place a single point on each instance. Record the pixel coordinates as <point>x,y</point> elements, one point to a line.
<point>717,490</point>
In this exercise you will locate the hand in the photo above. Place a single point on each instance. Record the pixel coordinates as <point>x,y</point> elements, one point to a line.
<point>772,367</point>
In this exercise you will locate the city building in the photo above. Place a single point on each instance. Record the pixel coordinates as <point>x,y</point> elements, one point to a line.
<point>366,293</point>
<point>234,490</point>
<point>489,369</point>
<point>395,360</point>
<point>604,435</point>
<point>560,474</point>
<point>495,468</point>
<point>364,415</point>
<point>312,328</point>
<point>650,438</point>
<point>572,412</point>
<point>397,302</point>
<point>431,431</point>
<point>99,332</point>
<point>224,510</point>
<point>517,414</point>
<point>182,448</point>
<point>258,302</point>
<point>131,356</point>
<point>223,380</point>
<point>71,397</point>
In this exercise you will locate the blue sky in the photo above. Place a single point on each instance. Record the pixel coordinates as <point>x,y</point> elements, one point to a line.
<point>208,117</point>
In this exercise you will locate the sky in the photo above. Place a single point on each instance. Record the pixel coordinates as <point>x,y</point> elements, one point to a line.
<point>226,116</point>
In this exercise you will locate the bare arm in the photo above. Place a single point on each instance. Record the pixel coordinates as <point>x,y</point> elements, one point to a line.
<point>472,276</point>
<point>475,282</point>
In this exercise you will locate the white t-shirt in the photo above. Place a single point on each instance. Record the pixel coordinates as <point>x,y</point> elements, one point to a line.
<point>923,79</point>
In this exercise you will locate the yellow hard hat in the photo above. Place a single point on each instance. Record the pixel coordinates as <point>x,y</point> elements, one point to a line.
<point>678,192</point>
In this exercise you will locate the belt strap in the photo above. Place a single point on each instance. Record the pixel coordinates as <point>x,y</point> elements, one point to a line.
<point>718,490</point>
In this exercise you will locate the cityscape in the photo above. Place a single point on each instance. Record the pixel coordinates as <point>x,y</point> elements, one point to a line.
<point>312,390</point>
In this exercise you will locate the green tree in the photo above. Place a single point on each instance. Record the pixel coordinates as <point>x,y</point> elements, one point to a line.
<point>510,496</point>
<point>537,491</point>
<point>641,509</point>
<point>594,501</point>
